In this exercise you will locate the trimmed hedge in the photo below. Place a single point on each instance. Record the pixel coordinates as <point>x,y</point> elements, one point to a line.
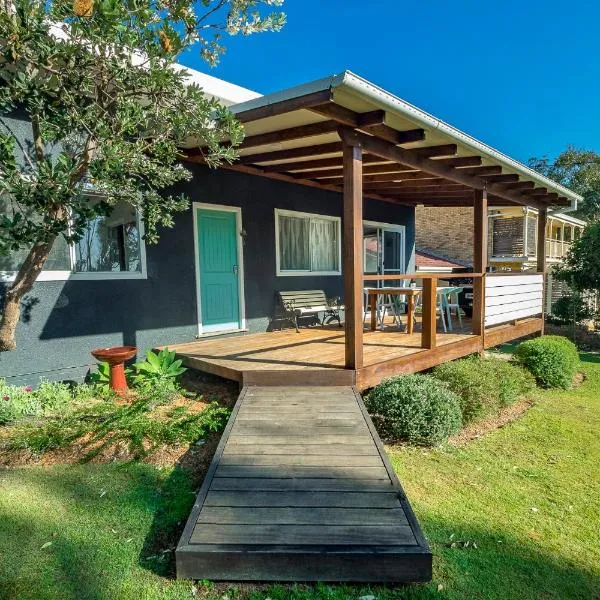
<point>552,359</point>
<point>416,409</point>
<point>484,385</point>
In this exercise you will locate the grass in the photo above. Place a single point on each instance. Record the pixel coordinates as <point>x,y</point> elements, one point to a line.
<point>513,515</point>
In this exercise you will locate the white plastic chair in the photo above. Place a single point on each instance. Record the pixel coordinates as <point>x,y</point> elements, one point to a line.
<point>451,302</point>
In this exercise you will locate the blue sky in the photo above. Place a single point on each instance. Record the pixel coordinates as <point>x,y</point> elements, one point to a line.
<point>523,77</point>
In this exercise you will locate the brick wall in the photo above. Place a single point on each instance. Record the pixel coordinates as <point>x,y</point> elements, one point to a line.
<point>447,231</point>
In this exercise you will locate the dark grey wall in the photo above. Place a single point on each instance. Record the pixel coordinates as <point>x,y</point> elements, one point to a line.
<point>67,319</point>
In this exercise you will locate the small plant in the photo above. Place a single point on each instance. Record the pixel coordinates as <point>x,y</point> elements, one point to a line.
<point>161,366</point>
<point>16,402</point>
<point>484,385</point>
<point>415,408</point>
<point>552,359</point>
<point>100,377</point>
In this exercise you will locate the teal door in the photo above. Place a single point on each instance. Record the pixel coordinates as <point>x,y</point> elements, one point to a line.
<point>219,270</point>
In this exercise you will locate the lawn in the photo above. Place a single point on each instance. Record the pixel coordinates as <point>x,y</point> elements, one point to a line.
<point>514,514</point>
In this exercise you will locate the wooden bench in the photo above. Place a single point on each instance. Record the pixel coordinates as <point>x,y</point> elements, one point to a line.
<point>309,303</point>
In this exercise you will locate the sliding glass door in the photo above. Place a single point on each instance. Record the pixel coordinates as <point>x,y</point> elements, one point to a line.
<point>383,250</point>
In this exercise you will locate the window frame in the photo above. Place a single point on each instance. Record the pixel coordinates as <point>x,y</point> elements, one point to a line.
<point>64,275</point>
<point>307,273</point>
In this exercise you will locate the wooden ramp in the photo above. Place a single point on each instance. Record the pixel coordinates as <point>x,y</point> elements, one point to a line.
<point>300,489</point>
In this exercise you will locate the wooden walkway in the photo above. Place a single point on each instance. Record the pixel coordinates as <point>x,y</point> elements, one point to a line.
<point>300,489</point>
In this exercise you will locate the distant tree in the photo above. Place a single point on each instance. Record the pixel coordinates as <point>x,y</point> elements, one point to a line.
<point>579,170</point>
<point>108,111</point>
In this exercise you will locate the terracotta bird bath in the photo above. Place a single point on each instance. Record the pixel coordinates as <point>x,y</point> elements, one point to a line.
<point>116,357</point>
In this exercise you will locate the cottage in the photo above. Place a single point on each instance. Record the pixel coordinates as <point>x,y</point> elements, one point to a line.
<point>322,199</point>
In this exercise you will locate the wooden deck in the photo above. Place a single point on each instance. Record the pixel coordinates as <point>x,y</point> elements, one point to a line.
<point>316,356</point>
<point>300,489</point>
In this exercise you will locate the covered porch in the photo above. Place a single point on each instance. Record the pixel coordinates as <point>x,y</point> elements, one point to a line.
<point>345,135</point>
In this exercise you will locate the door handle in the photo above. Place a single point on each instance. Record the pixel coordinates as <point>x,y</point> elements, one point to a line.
<point>236,269</point>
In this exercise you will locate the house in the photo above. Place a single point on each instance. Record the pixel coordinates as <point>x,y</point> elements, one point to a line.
<point>322,198</point>
<point>512,240</point>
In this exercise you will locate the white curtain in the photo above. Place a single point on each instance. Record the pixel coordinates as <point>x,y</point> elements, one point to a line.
<point>323,245</point>
<point>294,253</point>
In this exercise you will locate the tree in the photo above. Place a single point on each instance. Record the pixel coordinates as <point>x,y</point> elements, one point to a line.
<point>108,112</point>
<point>581,266</point>
<point>579,170</point>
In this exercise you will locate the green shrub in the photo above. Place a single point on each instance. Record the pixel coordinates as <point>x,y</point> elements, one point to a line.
<point>16,402</point>
<point>553,360</point>
<point>161,366</point>
<point>416,409</point>
<point>484,385</point>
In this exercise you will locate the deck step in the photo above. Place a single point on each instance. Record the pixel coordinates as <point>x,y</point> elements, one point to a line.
<point>300,489</point>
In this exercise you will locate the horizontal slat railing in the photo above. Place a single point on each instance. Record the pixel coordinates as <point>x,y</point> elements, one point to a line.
<point>512,296</point>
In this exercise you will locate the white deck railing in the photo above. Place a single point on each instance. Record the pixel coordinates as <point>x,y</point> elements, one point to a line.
<point>510,297</point>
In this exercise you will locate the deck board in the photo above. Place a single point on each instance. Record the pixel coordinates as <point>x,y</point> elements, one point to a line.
<point>302,495</point>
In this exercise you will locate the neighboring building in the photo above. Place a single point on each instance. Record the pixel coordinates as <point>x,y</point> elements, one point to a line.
<point>446,231</point>
<point>430,262</point>
<point>512,237</point>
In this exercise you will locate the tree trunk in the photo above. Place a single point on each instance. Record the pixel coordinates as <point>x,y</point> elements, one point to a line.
<point>26,276</point>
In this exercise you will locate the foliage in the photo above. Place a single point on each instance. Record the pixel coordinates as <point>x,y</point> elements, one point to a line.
<point>154,418</point>
<point>17,402</point>
<point>484,385</point>
<point>581,266</point>
<point>578,170</point>
<point>101,376</point>
<point>416,409</point>
<point>572,309</point>
<point>109,112</point>
<point>162,366</point>
<point>553,360</point>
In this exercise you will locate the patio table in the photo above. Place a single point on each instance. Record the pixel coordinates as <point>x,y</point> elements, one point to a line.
<point>411,294</point>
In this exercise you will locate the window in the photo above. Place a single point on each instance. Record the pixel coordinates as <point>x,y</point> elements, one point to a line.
<point>307,244</point>
<point>111,244</point>
<point>111,247</point>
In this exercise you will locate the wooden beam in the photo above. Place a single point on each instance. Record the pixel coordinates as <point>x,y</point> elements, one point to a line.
<point>461,161</point>
<point>302,152</point>
<point>291,133</point>
<point>505,177</point>
<point>373,122</point>
<point>441,150</point>
<point>542,224</point>
<point>424,191</point>
<point>391,170</point>
<point>520,185</point>
<point>480,258</point>
<point>491,170</point>
<point>353,254</point>
<point>542,191</point>
<point>402,183</point>
<point>409,158</point>
<point>317,163</point>
<point>429,324</point>
<point>284,106</point>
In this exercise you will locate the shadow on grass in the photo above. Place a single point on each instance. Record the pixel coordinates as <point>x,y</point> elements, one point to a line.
<point>90,557</point>
<point>590,357</point>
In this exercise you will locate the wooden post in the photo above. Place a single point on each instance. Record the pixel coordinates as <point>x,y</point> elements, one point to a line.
<point>428,335</point>
<point>480,258</point>
<point>541,253</point>
<point>353,256</point>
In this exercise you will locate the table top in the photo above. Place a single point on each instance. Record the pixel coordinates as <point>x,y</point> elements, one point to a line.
<point>406,290</point>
